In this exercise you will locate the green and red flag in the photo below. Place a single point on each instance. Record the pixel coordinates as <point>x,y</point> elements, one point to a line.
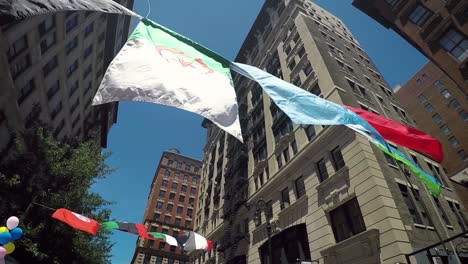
<point>158,65</point>
<point>166,238</point>
<point>137,229</point>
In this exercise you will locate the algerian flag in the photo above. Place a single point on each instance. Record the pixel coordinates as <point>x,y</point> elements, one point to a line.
<point>160,66</point>
<point>166,238</point>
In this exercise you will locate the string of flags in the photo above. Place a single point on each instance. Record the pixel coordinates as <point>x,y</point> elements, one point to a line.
<point>189,240</point>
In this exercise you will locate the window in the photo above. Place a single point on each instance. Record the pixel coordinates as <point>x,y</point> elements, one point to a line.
<point>310,131</point>
<point>183,188</point>
<point>193,190</point>
<point>363,92</point>
<point>72,88</point>
<point>17,48</point>
<point>308,69</point>
<point>20,65</point>
<point>169,162</point>
<point>422,99</point>
<point>164,183</point>
<point>284,198</point>
<point>463,114</point>
<point>190,212</point>
<point>392,2</point>
<point>338,160</point>
<point>72,68</point>
<point>292,65</point>
<point>71,45</point>
<point>186,177</point>
<point>455,207</point>
<point>47,42</point>
<point>161,246</point>
<point>25,91</point>
<point>47,25</point>
<point>322,170</point>
<point>445,129</point>
<point>441,211</point>
<point>455,43</point>
<point>187,167</point>
<point>420,15</point>
<point>294,147</point>
<point>167,219</point>
<point>454,104</point>
<point>437,118</point>
<point>269,210</point>
<point>461,154</point>
<point>300,187</point>
<point>286,154</point>
<point>454,142</point>
<point>53,89</point>
<point>88,51</point>
<point>88,71</point>
<point>50,66</point>
<point>181,198</point>
<point>179,165</point>
<point>156,216</point>
<point>297,81</point>
<point>162,193</point>
<point>174,185</point>
<point>176,175</point>
<point>172,196</point>
<point>177,222</point>
<point>429,108</point>
<point>89,29</point>
<point>167,172</point>
<point>446,94</point>
<point>438,85</point>
<point>56,110</point>
<point>282,129</point>
<point>287,49</point>
<point>180,209</point>
<point>347,220</point>
<point>159,205</point>
<point>301,52</point>
<point>279,161</point>
<point>191,201</point>
<point>71,23</point>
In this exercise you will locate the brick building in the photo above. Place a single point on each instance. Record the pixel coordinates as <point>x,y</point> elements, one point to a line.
<point>170,209</point>
<point>437,28</point>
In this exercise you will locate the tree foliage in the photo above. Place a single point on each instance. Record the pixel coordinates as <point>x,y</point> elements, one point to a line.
<point>59,175</point>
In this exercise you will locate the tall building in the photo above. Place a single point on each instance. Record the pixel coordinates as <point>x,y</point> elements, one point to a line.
<point>50,68</point>
<point>170,209</point>
<point>437,28</point>
<point>439,109</point>
<point>329,194</point>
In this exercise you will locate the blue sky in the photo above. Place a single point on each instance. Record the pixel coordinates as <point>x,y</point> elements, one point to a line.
<point>144,130</point>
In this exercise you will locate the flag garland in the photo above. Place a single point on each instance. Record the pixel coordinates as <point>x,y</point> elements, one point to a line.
<point>402,135</point>
<point>193,241</point>
<point>166,238</point>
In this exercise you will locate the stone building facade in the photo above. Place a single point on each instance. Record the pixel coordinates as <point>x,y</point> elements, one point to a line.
<point>330,195</point>
<point>50,68</point>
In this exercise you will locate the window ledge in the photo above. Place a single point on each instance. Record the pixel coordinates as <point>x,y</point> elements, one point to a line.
<point>333,178</point>
<point>424,227</point>
<point>293,206</point>
<point>393,166</point>
<point>449,227</point>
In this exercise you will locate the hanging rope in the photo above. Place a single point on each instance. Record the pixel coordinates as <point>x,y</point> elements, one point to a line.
<point>149,8</point>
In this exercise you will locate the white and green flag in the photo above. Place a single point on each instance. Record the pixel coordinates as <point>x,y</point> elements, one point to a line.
<point>160,66</point>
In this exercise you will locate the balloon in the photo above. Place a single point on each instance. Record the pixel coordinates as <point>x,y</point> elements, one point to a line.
<point>5,238</point>
<point>10,247</point>
<point>3,252</point>
<point>3,229</point>
<point>16,233</point>
<point>12,222</point>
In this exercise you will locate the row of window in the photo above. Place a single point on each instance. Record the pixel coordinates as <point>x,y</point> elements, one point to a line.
<point>178,165</point>
<point>183,188</point>
<point>172,197</point>
<point>169,208</point>
<point>185,178</point>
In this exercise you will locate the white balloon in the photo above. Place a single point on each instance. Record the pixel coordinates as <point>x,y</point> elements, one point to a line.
<point>12,222</point>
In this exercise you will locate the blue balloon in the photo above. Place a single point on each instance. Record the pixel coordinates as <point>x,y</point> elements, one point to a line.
<point>16,233</point>
<point>5,238</point>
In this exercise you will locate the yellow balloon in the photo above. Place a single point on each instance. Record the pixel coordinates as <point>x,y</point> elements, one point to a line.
<point>3,229</point>
<point>10,247</point>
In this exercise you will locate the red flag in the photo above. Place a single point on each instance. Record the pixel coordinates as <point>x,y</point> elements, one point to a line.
<point>77,221</point>
<point>403,135</point>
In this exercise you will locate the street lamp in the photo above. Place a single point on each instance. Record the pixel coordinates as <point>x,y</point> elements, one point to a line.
<point>262,206</point>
